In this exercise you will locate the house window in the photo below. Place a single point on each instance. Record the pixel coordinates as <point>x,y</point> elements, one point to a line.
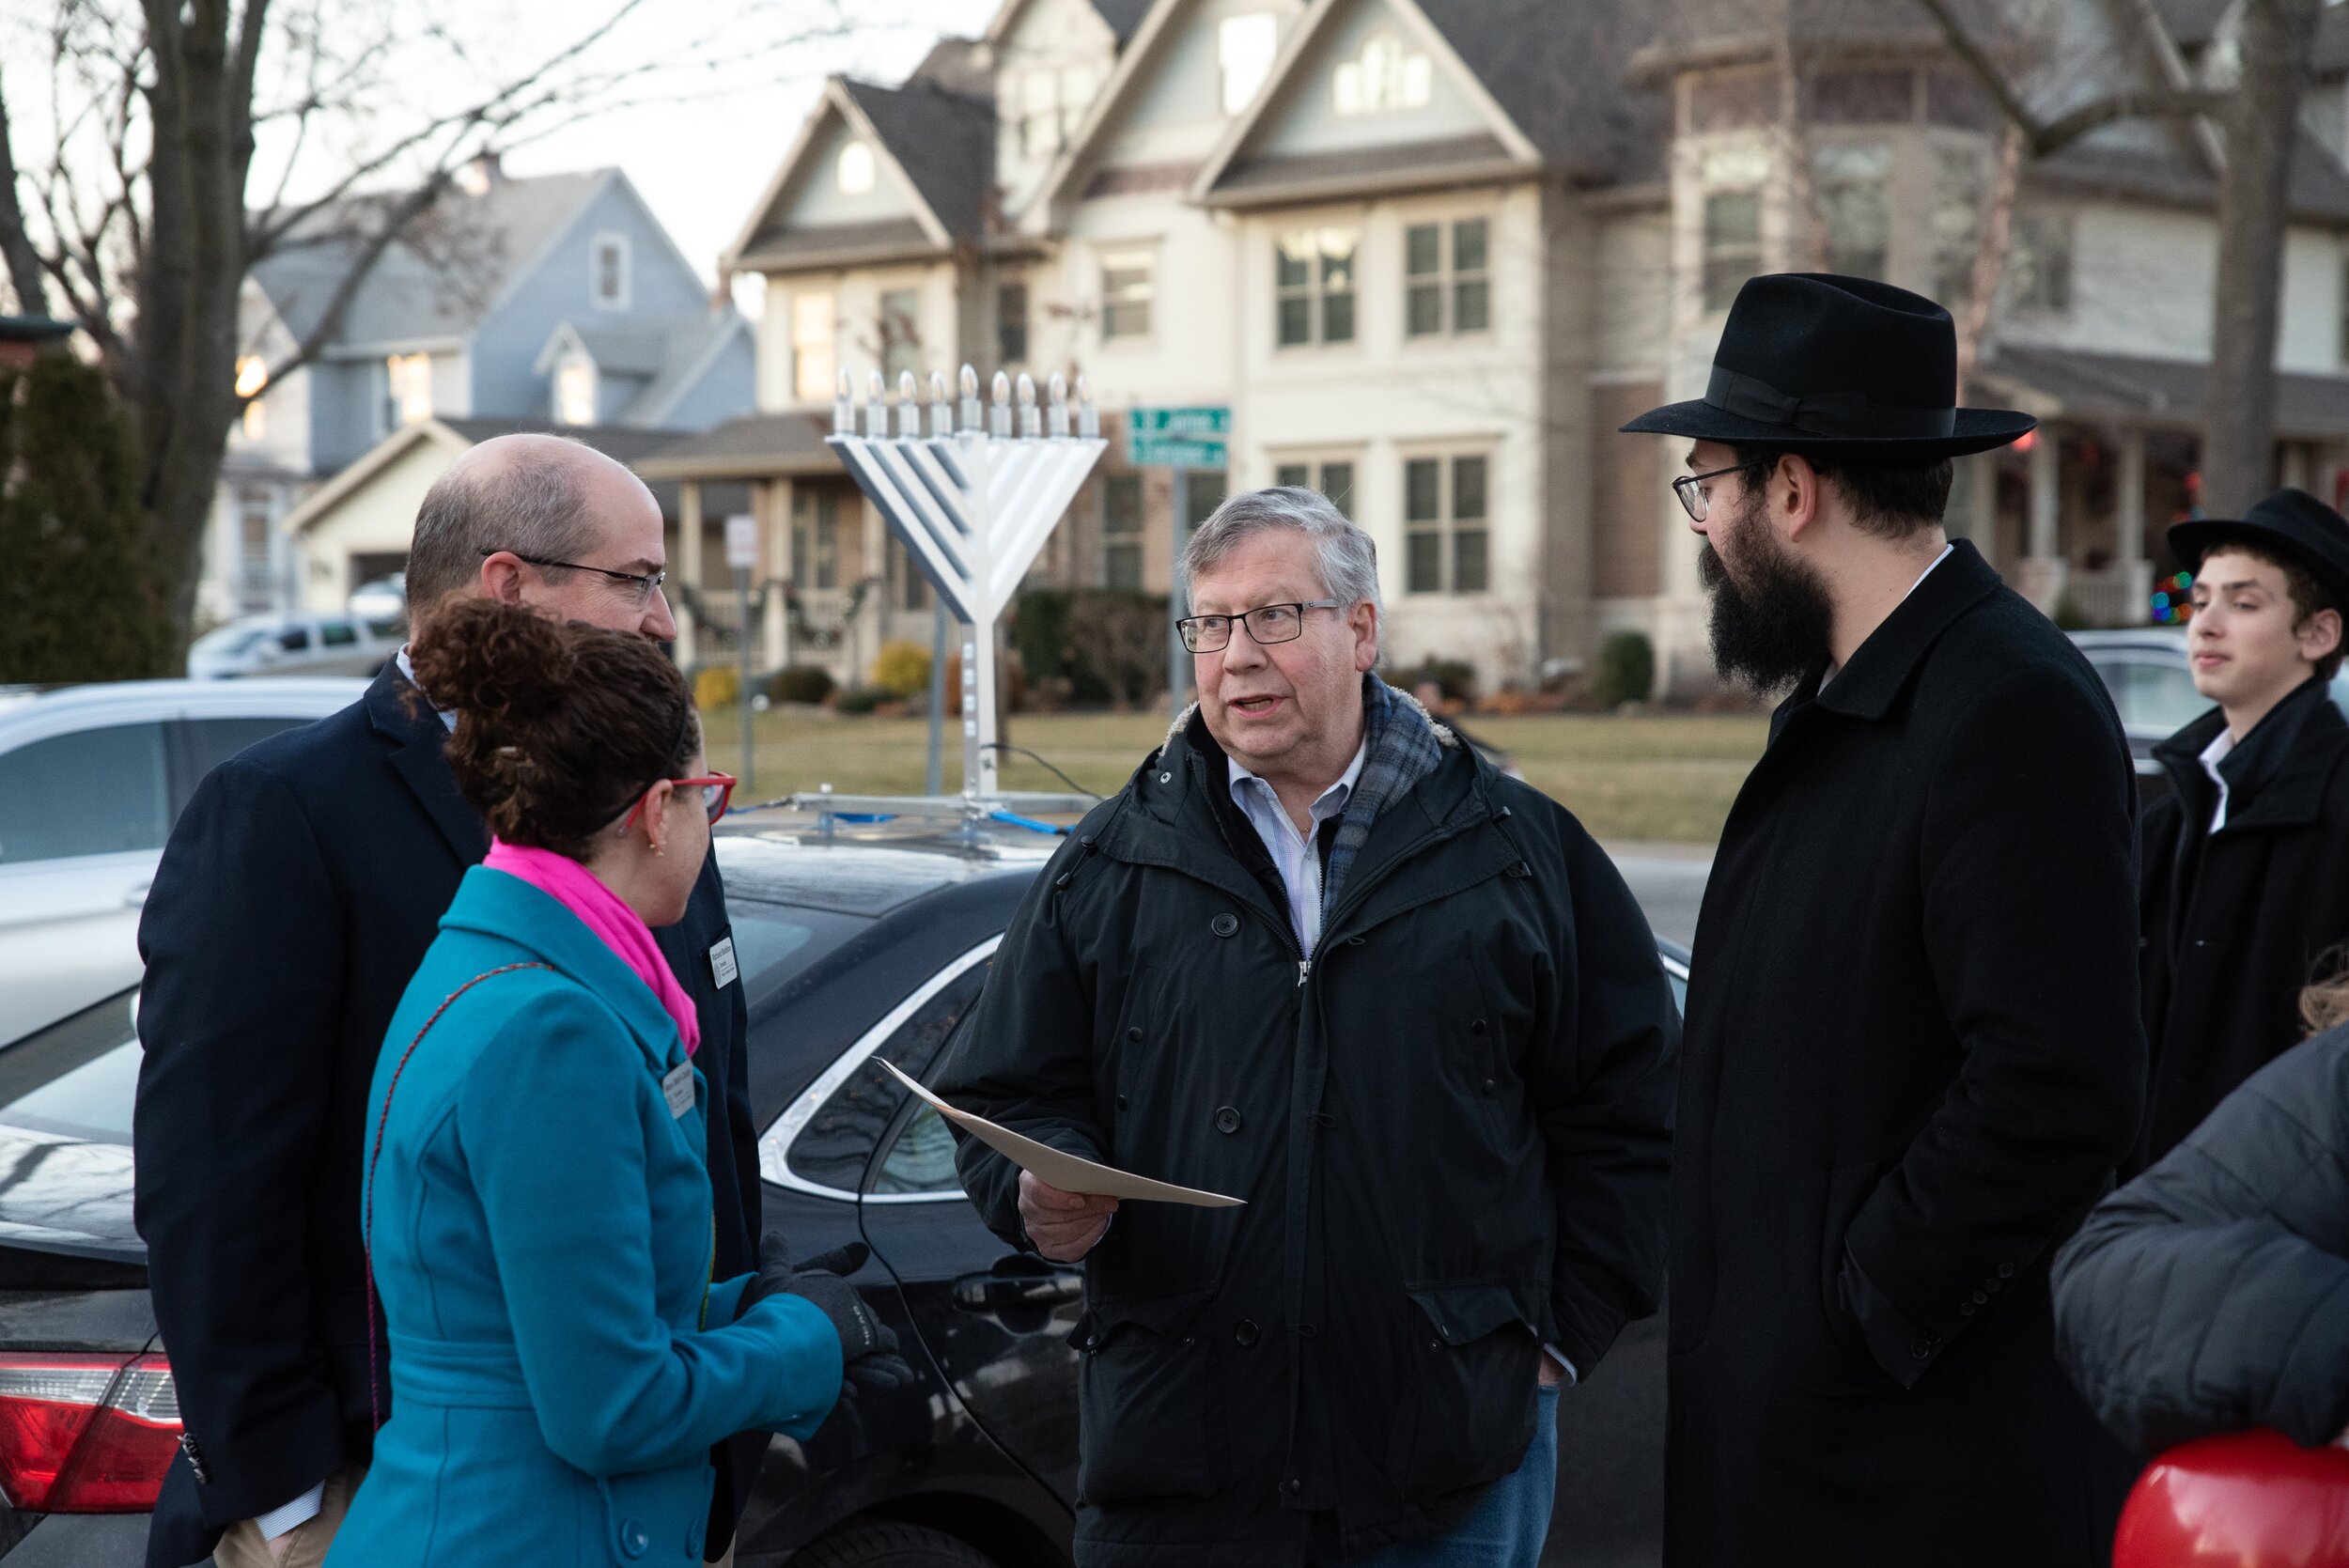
<point>1956,223</point>
<point>815,537</point>
<point>815,361</point>
<point>900,333</point>
<point>1447,539</point>
<point>1733,245</point>
<point>575,391</point>
<point>252,381</point>
<point>853,170</point>
<point>1121,531</point>
<point>913,589</point>
<point>609,277</point>
<point>1333,479</point>
<point>1384,77</point>
<point>410,395</point>
<point>255,578</point>
<point>1312,278</point>
<point>1851,186</point>
<point>1052,105</point>
<point>2039,265</point>
<point>1447,282</point>
<point>1011,323</point>
<point>1128,289</point>
<point>1244,48</point>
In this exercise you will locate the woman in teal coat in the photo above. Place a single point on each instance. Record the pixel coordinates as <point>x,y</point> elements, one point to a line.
<point>538,1211</point>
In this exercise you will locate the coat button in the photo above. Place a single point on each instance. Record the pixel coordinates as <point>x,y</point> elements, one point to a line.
<point>1491,1087</point>
<point>1925,1345</point>
<point>2006,1271</point>
<point>1965,1308</point>
<point>1225,925</point>
<point>1121,1102</point>
<point>1133,1033</point>
<point>1292,1487</point>
<point>1477,1028</point>
<point>1226,1120</point>
<point>1244,1333</point>
<point>1981,1301</point>
<point>635,1540</point>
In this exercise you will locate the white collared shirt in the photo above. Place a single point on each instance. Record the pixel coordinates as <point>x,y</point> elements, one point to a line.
<point>1296,854</point>
<point>448,715</point>
<point>2213,754</point>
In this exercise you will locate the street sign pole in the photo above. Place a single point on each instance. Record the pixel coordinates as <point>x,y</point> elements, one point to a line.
<point>743,554</point>
<point>1179,439</point>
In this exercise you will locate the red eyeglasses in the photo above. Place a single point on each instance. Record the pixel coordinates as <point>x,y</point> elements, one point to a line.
<point>717,789</point>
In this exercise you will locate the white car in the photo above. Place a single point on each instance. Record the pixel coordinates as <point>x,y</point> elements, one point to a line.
<point>91,780</point>
<point>296,646</point>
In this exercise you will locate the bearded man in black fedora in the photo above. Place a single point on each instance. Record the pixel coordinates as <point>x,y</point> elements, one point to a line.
<point>2247,860</point>
<point>1912,1055</point>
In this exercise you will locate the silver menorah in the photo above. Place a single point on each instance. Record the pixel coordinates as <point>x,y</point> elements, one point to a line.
<point>973,501</point>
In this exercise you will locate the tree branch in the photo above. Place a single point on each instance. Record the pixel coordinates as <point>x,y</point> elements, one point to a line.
<point>16,245</point>
<point>394,224</point>
<point>2130,104</point>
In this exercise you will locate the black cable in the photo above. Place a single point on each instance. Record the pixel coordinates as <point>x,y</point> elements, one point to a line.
<point>1064,777</point>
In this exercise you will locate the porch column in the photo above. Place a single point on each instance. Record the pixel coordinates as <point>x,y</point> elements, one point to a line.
<point>772,502</point>
<point>688,571</point>
<point>2137,572</point>
<point>2041,575</point>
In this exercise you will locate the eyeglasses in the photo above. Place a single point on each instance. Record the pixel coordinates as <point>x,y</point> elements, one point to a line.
<point>640,589</point>
<point>717,789</point>
<point>1690,488</point>
<point>1267,624</point>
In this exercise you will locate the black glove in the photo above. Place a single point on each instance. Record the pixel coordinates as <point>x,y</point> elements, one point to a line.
<point>869,1348</point>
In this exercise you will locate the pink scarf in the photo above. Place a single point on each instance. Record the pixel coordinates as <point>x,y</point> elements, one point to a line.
<point>605,913</point>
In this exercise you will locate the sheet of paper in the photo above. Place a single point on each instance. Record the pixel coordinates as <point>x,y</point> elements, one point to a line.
<point>1066,1172</point>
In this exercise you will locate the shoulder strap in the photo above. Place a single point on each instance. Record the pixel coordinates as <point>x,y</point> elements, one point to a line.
<point>375,1405</point>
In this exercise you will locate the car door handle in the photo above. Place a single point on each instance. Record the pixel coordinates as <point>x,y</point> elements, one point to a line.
<point>996,1292</point>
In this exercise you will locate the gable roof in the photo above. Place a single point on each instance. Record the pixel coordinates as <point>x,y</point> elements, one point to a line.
<point>438,281</point>
<point>1124,18</point>
<point>938,146</point>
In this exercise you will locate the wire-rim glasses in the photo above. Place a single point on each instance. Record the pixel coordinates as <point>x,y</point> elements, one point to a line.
<point>1267,624</point>
<point>1690,488</point>
<point>642,585</point>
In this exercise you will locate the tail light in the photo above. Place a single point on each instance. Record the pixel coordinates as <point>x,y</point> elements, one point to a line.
<point>86,1434</point>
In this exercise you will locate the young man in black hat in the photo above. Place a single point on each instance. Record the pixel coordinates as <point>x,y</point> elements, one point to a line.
<point>1912,1058</point>
<point>2247,861</point>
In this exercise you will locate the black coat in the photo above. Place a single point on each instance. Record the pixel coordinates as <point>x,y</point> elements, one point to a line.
<point>2236,922</point>
<point>1451,1130</point>
<point>2212,1294</point>
<point>297,895</point>
<point>1912,1060</point>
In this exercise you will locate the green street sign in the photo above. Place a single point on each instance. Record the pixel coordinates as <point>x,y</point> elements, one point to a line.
<point>1178,437</point>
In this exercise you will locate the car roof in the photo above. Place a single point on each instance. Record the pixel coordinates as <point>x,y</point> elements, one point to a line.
<point>70,709</point>
<point>776,855</point>
<point>2164,637</point>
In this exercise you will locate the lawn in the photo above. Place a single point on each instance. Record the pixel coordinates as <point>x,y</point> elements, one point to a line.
<point>1667,778</point>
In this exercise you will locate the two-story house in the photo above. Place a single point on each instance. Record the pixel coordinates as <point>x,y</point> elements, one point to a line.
<point>556,298</point>
<point>1431,255</point>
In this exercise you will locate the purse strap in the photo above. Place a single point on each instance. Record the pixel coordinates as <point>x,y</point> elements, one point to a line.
<point>375,1405</point>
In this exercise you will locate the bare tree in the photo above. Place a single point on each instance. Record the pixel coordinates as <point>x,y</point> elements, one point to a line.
<point>144,210</point>
<point>2258,117</point>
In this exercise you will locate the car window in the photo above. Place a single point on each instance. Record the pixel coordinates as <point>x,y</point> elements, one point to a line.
<point>2152,695</point>
<point>94,792</point>
<point>389,627</point>
<point>294,639</point>
<point>921,1159</point>
<point>338,634</point>
<point>855,1101</point>
<point>77,1078</point>
<point>775,943</point>
<point>200,745</point>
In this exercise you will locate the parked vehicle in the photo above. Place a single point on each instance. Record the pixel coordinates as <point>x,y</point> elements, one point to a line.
<point>91,780</point>
<point>2152,682</point>
<point>381,599</point>
<point>854,944</point>
<point>297,645</point>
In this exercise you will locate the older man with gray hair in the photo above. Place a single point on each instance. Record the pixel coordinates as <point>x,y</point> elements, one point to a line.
<point>1318,956</point>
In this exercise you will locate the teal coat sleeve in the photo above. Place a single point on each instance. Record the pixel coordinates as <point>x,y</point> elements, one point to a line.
<point>566,1203</point>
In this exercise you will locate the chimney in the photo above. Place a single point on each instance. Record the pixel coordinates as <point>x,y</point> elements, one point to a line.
<point>484,170</point>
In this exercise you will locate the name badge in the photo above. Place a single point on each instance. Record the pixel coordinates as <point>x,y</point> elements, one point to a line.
<point>722,966</point>
<point>677,1085</point>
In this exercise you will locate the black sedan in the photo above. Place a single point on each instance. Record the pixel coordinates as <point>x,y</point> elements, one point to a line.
<point>855,944</point>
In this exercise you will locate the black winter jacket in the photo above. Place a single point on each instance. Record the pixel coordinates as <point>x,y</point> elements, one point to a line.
<point>2212,1294</point>
<point>1452,1129</point>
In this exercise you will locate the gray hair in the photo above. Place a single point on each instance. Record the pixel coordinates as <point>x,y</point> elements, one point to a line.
<point>1347,557</point>
<point>532,502</point>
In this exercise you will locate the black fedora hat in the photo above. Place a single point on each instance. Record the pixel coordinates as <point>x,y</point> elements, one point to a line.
<point>1813,362</point>
<point>2290,523</point>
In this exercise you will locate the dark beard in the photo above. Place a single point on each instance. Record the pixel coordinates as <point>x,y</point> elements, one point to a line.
<point>1769,631</point>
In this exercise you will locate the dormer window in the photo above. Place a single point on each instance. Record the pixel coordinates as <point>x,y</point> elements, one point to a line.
<point>1245,46</point>
<point>608,271</point>
<point>1386,76</point>
<point>575,391</point>
<point>854,171</point>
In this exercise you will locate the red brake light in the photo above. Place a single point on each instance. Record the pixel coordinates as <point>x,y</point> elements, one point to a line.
<point>82,1434</point>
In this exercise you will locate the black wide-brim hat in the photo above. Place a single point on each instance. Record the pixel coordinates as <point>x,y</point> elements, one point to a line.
<point>2290,523</point>
<point>1813,362</point>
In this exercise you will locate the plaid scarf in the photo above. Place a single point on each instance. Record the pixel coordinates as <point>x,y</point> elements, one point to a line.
<point>1402,746</point>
